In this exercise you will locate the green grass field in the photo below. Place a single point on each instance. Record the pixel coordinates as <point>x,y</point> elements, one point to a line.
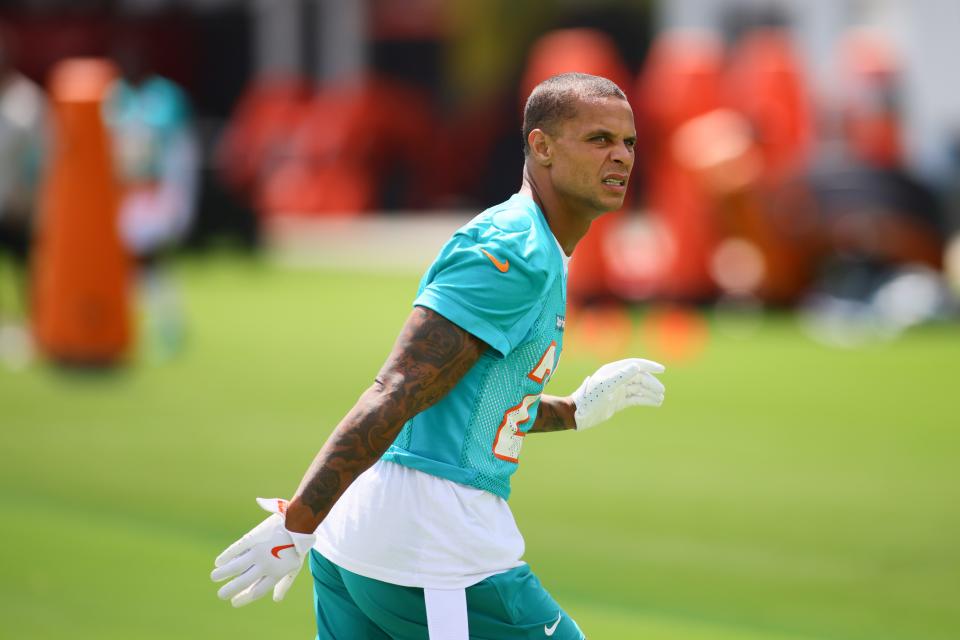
<point>785,491</point>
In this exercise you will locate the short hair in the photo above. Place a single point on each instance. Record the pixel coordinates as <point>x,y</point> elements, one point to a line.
<point>555,100</point>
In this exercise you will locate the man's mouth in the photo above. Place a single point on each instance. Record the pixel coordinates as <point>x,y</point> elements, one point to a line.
<point>615,182</point>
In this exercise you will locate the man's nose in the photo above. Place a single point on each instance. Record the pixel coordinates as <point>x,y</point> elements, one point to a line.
<point>621,154</point>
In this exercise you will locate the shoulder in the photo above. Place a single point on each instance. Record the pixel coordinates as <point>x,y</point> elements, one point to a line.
<point>491,276</point>
<point>511,230</point>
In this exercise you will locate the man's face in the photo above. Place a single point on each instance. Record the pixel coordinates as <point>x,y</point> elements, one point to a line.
<point>593,155</point>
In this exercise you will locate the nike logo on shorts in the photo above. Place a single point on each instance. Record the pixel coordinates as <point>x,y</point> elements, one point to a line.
<point>550,630</point>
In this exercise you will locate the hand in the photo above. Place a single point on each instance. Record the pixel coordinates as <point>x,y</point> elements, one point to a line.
<point>616,386</point>
<point>269,556</point>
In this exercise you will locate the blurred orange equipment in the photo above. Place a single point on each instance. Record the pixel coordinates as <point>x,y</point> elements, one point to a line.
<point>766,83</point>
<point>682,80</point>
<point>341,152</point>
<point>81,289</point>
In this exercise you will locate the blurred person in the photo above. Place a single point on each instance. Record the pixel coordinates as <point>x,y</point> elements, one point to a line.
<point>157,160</point>
<point>883,229</point>
<point>872,204</point>
<point>22,131</point>
<point>403,513</point>
<point>878,225</point>
<point>951,258</point>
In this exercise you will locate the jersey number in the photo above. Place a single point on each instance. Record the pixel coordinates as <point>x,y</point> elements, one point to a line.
<point>509,438</point>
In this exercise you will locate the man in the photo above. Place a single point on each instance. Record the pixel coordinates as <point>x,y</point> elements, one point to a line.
<point>424,539</point>
<point>23,109</point>
<point>157,162</point>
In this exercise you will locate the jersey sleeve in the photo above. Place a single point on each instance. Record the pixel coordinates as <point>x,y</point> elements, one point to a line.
<point>489,284</point>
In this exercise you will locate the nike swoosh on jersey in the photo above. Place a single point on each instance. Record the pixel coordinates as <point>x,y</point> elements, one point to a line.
<point>275,552</point>
<point>502,267</point>
<point>549,630</point>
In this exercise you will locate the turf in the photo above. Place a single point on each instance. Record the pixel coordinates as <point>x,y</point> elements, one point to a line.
<point>785,491</point>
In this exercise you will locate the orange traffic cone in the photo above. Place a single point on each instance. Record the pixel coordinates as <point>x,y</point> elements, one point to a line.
<point>81,297</point>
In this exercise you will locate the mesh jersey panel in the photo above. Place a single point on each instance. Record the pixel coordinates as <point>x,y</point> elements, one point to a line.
<point>404,438</point>
<point>503,387</point>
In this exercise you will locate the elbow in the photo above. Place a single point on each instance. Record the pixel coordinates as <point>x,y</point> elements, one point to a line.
<point>401,396</point>
<point>389,394</point>
<point>388,385</point>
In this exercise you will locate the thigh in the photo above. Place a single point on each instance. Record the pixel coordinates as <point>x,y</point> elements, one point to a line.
<point>515,605</point>
<point>338,616</point>
<point>507,606</point>
<point>399,611</point>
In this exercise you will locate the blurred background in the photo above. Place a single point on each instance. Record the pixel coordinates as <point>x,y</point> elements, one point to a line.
<point>214,215</point>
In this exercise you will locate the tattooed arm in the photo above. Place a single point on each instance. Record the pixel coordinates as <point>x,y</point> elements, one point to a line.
<point>554,414</point>
<point>429,358</point>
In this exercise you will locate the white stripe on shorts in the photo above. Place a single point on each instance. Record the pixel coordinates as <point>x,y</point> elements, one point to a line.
<point>446,614</point>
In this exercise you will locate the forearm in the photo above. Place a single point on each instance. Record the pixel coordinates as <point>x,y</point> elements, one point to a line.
<point>355,445</point>
<point>554,414</point>
<point>430,357</point>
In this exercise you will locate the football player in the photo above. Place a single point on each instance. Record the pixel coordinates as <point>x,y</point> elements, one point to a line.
<point>403,514</point>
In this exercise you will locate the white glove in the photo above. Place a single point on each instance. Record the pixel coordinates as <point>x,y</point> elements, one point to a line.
<point>616,386</point>
<point>269,556</point>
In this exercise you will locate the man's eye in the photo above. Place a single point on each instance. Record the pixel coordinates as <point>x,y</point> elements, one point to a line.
<point>599,139</point>
<point>630,143</point>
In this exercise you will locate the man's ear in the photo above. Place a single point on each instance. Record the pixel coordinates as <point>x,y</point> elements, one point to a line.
<point>541,147</point>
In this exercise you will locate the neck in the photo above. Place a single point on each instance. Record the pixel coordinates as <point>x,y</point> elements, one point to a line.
<point>567,227</point>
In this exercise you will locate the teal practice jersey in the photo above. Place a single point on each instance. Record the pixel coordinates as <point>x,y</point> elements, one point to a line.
<point>501,277</point>
<point>146,118</point>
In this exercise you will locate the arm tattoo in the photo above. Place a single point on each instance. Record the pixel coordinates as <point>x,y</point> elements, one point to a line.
<point>429,358</point>
<point>554,414</point>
